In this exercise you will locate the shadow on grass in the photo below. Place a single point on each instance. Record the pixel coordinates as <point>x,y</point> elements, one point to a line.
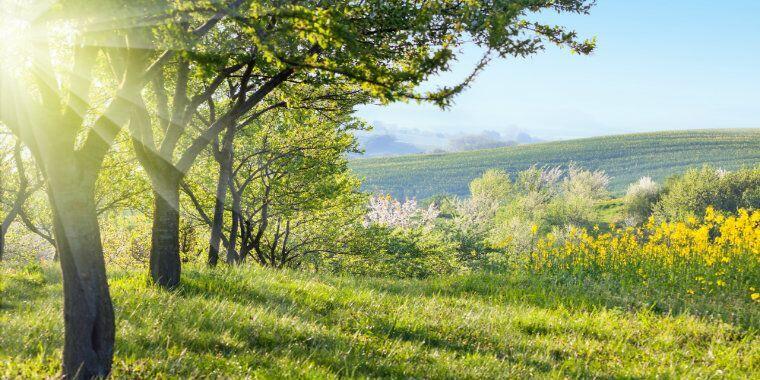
<point>345,326</point>
<point>306,331</point>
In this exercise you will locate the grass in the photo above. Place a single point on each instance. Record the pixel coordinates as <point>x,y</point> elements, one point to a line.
<point>611,211</point>
<point>249,322</point>
<point>626,158</point>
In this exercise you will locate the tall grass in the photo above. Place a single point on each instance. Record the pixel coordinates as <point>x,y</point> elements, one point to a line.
<point>250,322</point>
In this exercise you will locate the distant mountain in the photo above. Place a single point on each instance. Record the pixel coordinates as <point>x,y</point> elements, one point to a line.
<point>388,141</point>
<point>387,145</point>
<point>484,140</point>
<point>524,138</point>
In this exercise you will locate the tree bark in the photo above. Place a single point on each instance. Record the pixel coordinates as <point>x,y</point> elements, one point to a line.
<point>88,311</point>
<point>165,265</point>
<point>218,221</point>
<point>232,255</point>
<point>2,243</point>
<point>224,158</point>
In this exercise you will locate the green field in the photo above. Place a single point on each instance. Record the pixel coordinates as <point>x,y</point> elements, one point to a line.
<point>625,158</point>
<point>259,323</point>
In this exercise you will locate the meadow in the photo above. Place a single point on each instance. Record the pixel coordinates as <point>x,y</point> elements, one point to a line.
<point>540,276</point>
<point>625,158</point>
<point>177,201</point>
<point>258,323</point>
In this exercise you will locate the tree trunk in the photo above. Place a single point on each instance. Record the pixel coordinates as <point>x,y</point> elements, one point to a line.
<point>165,266</point>
<point>224,158</point>
<point>244,252</point>
<point>218,222</point>
<point>2,243</point>
<point>232,255</point>
<point>88,312</point>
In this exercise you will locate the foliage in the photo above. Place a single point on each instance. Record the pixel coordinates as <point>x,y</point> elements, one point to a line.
<point>546,198</point>
<point>383,251</point>
<point>624,158</point>
<point>493,184</point>
<point>688,195</point>
<point>391,47</point>
<point>124,235</point>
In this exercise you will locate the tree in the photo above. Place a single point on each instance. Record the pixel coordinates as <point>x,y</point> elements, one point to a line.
<point>15,186</point>
<point>291,193</point>
<point>50,99</point>
<point>69,85</point>
<point>326,111</point>
<point>387,47</point>
<point>295,198</point>
<point>119,189</point>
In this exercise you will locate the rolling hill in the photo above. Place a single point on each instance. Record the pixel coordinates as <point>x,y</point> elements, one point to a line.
<point>625,158</point>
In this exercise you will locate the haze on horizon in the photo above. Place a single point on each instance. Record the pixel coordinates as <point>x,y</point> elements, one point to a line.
<point>658,66</point>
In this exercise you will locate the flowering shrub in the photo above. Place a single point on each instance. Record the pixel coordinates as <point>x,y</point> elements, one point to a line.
<point>388,212</point>
<point>639,200</point>
<point>717,255</point>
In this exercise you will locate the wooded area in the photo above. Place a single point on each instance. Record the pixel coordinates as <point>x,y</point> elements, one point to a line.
<point>247,99</point>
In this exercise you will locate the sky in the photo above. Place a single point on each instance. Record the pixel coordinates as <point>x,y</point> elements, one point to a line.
<point>659,65</point>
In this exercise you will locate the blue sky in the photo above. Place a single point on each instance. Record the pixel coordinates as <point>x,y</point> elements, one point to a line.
<point>660,65</point>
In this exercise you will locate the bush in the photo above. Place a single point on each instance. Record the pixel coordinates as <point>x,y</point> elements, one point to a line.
<point>581,192</point>
<point>469,226</point>
<point>639,200</point>
<point>381,251</point>
<point>493,184</point>
<point>688,195</point>
<point>388,212</point>
<point>547,198</point>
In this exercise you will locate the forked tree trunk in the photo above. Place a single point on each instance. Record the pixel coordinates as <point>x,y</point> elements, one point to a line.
<point>165,265</point>
<point>88,312</point>
<point>224,158</point>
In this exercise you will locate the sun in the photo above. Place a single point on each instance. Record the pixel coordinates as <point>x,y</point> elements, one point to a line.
<point>15,39</point>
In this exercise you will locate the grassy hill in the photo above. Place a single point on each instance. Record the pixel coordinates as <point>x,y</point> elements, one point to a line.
<point>626,158</point>
<point>258,323</point>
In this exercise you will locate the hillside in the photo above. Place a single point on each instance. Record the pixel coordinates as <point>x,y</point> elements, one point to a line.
<point>258,323</point>
<point>625,158</point>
